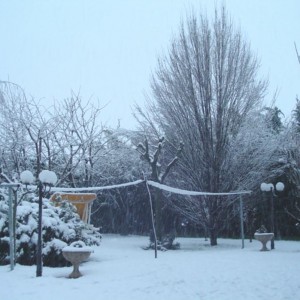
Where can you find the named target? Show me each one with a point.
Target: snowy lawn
(120, 269)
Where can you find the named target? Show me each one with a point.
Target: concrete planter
(264, 238)
(76, 255)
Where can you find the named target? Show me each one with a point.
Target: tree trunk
(213, 237)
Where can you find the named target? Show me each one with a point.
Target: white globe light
(26, 177)
(48, 177)
(264, 187)
(279, 186)
(43, 176)
(53, 178)
(267, 187)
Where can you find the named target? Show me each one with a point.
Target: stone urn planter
(264, 238)
(76, 253)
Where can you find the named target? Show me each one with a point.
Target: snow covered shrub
(4, 246)
(60, 227)
(78, 244)
(167, 242)
(262, 229)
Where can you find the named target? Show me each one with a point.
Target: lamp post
(46, 178)
(11, 221)
(269, 187)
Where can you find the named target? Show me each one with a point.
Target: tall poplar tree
(202, 90)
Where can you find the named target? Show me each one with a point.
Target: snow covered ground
(120, 269)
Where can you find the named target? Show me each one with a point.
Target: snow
(77, 246)
(120, 269)
(48, 177)
(26, 208)
(149, 182)
(26, 177)
(54, 244)
(72, 248)
(263, 233)
(24, 238)
(192, 193)
(99, 188)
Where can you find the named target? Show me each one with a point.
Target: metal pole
(11, 230)
(39, 260)
(11, 223)
(242, 222)
(272, 221)
(152, 219)
(39, 243)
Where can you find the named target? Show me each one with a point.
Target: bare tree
(79, 138)
(202, 91)
(71, 135)
(22, 123)
(158, 175)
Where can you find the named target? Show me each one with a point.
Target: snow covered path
(120, 269)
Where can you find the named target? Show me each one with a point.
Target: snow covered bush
(78, 244)
(167, 242)
(4, 240)
(60, 227)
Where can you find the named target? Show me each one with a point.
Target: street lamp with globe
(46, 178)
(269, 187)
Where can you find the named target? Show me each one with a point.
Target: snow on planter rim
(74, 249)
(263, 233)
(77, 246)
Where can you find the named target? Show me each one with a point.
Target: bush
(60, 227)
(167, 242)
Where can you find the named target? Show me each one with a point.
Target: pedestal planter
(76, 255)
(264, 238)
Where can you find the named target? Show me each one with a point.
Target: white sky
(107, 49)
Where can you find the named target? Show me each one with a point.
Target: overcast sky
(107, 49)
